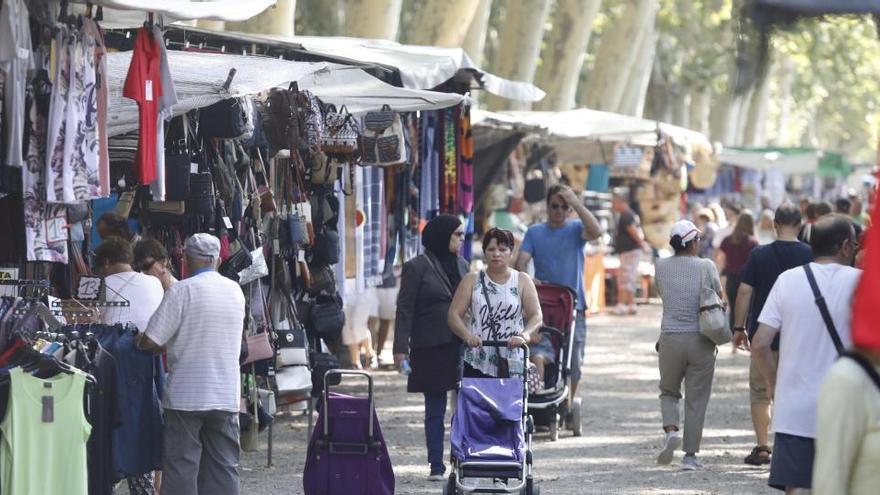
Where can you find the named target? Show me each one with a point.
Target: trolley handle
(503, 343)
(341, 373)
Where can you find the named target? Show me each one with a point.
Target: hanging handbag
(383, 142)
(257, 347)
(322, 280)
(280, 119)
(326, 248)
(126, 201)
(321, 364)
(340, 131)
(293, 380)
(238, 261)
(713, 317)
(327, 317)
(201, 194)
(322, 168)
(257, 269)
(291, 346)
(311, 119)
(225, 119)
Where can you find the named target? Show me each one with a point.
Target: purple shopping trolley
(491, 436)
(347, 454)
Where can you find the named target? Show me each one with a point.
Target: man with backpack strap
(809, 307)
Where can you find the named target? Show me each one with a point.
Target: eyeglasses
(557, 206)
(459, 233)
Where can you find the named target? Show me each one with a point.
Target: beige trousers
(687, 357)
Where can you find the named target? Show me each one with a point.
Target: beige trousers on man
(687, 357)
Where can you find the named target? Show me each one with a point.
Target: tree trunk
(701, 101)
(743, 117)
(277, 20)
(640, 76)
(318, 17)
(475, 41)
(786, 84)
(755, 133)
(657, 104)
(617, 54)
(564, 51)
(519, 46)
(681, 106)
(375, 19)
(442, 22)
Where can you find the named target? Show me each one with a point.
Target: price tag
(193, 167)
(89, 288)
(227, 222)
(48, 409)
(56, 229)
(148, 90)
(8, 274)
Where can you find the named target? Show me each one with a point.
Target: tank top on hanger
(44, 435)
(499, 318)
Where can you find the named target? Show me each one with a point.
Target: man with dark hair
(764, 265)
(842, 206)
(807, 349)
(557, 249)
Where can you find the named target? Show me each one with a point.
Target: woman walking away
(685, 354)
(426, 288)
(732, 257)
(503, 305)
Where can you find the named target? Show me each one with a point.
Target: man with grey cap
(199, 325)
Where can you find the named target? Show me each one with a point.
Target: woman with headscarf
(427, 284)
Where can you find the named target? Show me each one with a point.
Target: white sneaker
(690, 463)
(673, 440)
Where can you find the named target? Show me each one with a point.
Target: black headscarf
(436, 237)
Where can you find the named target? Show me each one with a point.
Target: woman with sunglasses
(426, 288)
(151, 258)
(685, 354)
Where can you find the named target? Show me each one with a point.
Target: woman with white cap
(685, 354)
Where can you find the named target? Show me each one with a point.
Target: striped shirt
(679, 279)
(200, 322)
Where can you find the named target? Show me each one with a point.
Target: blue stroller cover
(487, 425)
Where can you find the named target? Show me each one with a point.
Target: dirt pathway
(621, 429)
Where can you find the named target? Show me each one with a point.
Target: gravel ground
(621, 428)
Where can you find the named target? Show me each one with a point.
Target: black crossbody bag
(823, 308)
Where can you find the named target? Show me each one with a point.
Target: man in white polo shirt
(199, 324)
(806, 347)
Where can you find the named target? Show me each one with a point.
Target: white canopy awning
(199, 78)
(569, 131)
(421, 67)
(218, 10)
(806, 162)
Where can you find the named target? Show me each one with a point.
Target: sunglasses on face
(557, 206)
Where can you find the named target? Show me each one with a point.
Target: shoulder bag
(713, 317)
(823, 309)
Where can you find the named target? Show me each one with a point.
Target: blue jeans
(435, 411)
(577, 352)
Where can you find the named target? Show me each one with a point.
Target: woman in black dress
(426, 288)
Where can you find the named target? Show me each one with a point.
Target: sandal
(760, 456)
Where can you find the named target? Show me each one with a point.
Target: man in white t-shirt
(806, 348)
(200, 323)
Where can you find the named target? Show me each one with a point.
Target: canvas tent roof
(199, 78)
(127, 11)
(791, 161)
(570, 132)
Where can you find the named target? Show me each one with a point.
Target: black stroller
(492, 436)
(550, 405)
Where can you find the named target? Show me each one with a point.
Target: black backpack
(281, 122)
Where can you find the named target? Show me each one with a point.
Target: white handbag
(293, 380)
(713, 316)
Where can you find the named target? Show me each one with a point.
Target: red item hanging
(865, 330)
(143, 84)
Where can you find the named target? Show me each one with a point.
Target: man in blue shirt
(760, 272)
(557, 249)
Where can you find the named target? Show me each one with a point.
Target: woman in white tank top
(499, 303)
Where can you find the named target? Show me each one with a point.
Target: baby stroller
(491, 436)
(550, 405)
(347, 454)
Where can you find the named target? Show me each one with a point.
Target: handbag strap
(867, 366)
(706, 283)
(823, 308)
(443, 278)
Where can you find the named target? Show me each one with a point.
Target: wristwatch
(739, 329)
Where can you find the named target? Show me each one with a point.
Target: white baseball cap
(686, 230)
